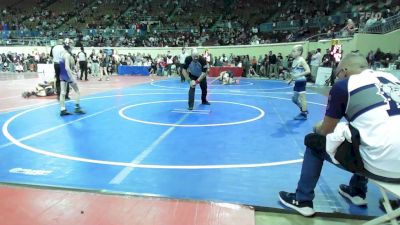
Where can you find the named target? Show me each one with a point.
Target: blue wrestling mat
(243, 148)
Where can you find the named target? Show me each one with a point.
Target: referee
(57, 53)
(83, 63)
(194, 70)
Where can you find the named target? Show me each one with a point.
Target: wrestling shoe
(301, 116)
(65, 113)
(78, 110)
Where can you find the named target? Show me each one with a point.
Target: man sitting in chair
(370, 102)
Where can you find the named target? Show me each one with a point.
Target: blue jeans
(311, 171)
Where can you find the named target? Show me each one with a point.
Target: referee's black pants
(84, 69)
(192, 90)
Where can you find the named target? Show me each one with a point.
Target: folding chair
(391, 214)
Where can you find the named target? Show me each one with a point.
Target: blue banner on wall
(133, 70)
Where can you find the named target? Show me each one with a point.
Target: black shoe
(305, 208)
(355, 198)
(206, 103)
(65, 113)
(86, 80)
(78, 110)
(190, 108)
(67, 98)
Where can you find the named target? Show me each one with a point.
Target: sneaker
(305, 208)
(206, 103)
(356, 199)
(301, 116)
(65, 113)
(79, 111)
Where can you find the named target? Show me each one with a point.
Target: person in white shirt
(370, 22)
(56, 53)
(94, 59)
(223, 59)
(370, 102)
(170, 62)
(349, 29)
(129, 61)
(316, 60)
(207, 55)
(82, 59)
(182, 58)
(116, 58)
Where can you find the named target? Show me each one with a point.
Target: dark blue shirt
(195, 68)
(337, 100)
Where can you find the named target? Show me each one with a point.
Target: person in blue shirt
(195, 71)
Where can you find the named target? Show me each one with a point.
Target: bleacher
(173, 22)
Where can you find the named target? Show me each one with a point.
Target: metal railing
(390, 24)
(296, 24)
(26, 41)
(329, 36)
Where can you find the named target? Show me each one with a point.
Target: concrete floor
(271, 218)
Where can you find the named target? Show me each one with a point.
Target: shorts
(300, 86)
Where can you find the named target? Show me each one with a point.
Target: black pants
(58, 87)
(169, 69)
(84, 69)
(203, 86)
(317, 144)
(179, 69)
